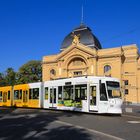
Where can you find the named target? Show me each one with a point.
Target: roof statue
(76, 38)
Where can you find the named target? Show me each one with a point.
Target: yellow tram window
(17, 94)
(9, 95)
(34, 93)
(0, 96)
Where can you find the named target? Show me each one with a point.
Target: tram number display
(67, 83)
(114, 84)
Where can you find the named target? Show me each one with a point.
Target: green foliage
(30, 72)
(10, 77)
(2, 80)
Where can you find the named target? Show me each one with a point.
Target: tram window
(68, 92)
(80, 92)
(17, 94)
(34, 93)
(20, 94)
(0, 96)
(9, 95)
(103, 95)
(60, 92)
(46, 93)
(93, 95)
(30, 94)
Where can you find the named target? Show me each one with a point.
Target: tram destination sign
(67, 83)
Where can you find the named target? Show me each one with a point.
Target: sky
(31, 29)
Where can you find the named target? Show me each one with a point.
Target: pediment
(77, 48)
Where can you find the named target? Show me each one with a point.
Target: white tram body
(85, 94)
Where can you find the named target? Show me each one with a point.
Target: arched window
(53, 72)
(107, 70)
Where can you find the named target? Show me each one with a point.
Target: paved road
(38, 124)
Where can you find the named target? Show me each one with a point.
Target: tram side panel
(35, 93)
(5, 95)
(27, 95)
(59, 95)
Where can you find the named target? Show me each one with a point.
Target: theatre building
(82, 54)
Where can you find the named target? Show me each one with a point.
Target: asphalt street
(38, 124)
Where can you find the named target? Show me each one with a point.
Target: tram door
(93, 97)
(25, 98)
(53, 98)
(4, 97)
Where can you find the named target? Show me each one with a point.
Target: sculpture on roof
(76, 38)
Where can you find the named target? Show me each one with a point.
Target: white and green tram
(85, 94)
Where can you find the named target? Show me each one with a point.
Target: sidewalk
(131, 109)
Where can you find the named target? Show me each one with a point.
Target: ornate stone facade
(79, 59)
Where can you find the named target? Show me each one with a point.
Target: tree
(2, 80)
(30, 72)
(10, 77)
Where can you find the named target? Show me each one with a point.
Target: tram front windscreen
(113, 89)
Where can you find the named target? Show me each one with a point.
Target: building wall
(130, 73)
(138, 79)
(82, 60)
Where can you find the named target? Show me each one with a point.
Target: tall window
(126, 82)
(107, 70)
(68, 92)
(126, 91)
(0, 96)
(103, 94)
(46, 93)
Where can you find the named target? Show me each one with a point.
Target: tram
(5, 96)
(85, 94)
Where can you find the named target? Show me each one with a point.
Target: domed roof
(86, 38)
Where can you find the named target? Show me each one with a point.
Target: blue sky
(30, 29)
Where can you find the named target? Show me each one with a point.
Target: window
(107, 68)
(113, 89)
(80, 92)
(9, 95)
(17, 94)
(60, 93)
(34, 93)
(77, 73)
(46, 93)
(53, 95)
(125, 82)
(68, 92)
(0, 96)
(126, 91)
(53, 72)
(92, 95)
(103, 95)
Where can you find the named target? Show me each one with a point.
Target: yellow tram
(5, 96)
(27, 95)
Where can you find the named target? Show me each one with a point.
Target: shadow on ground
(21, 124)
